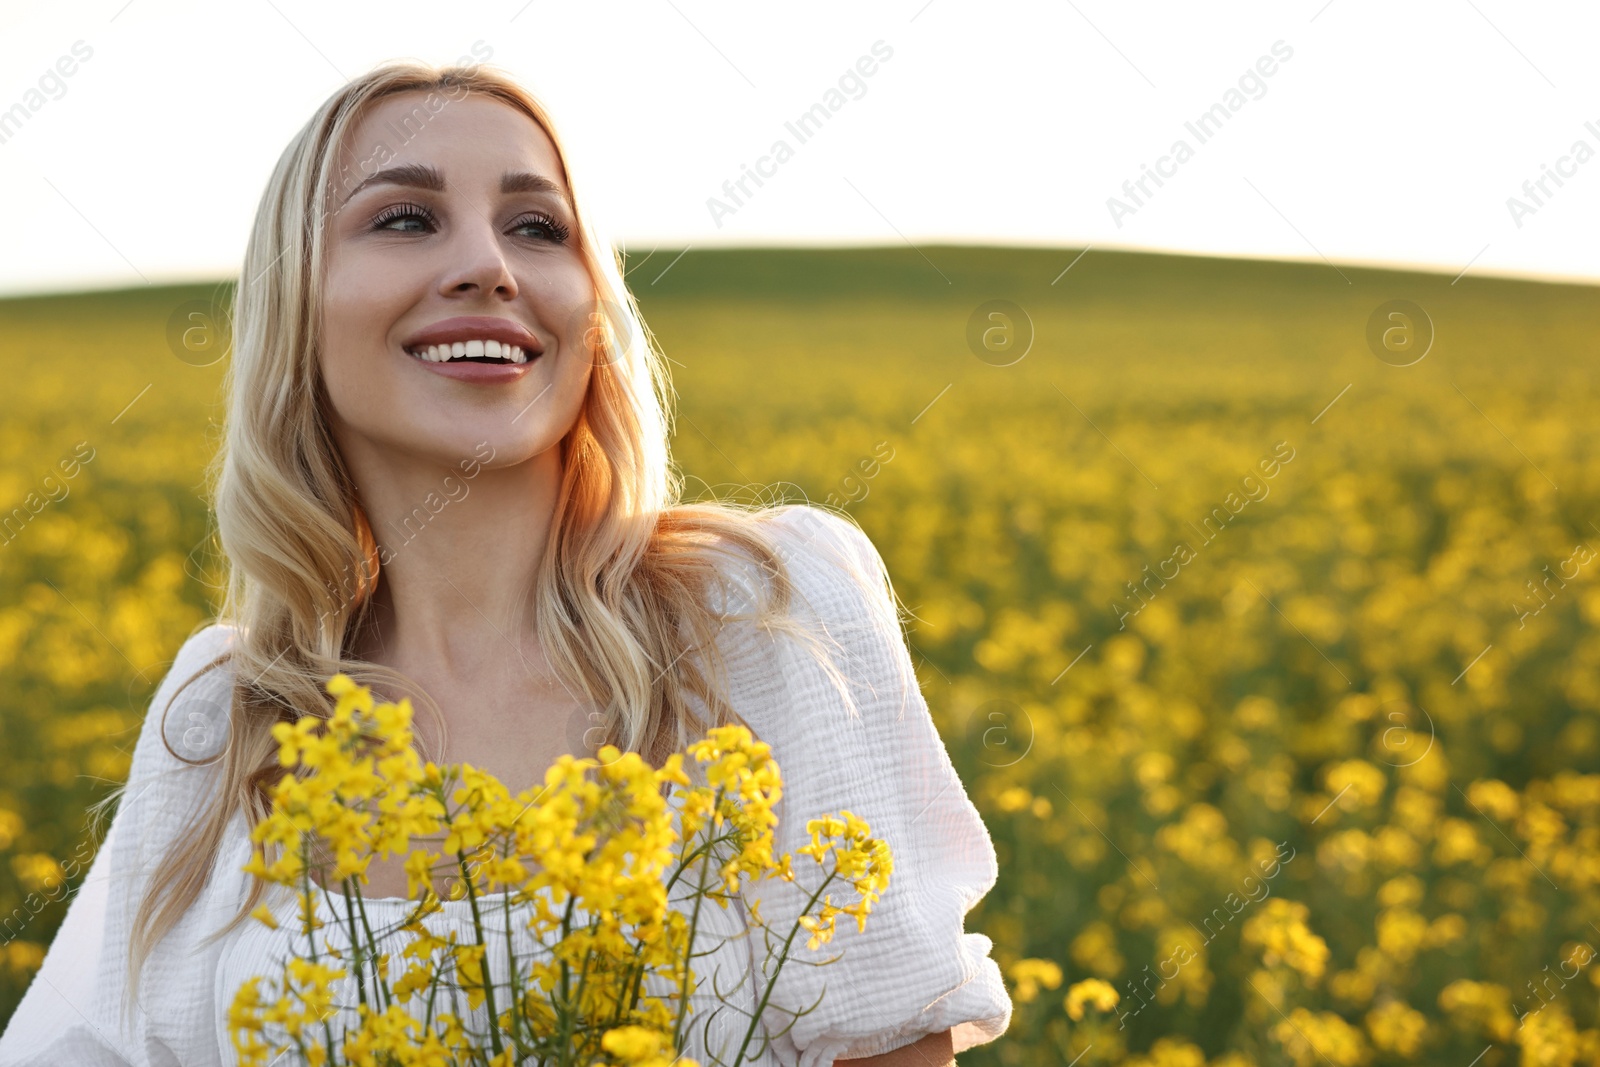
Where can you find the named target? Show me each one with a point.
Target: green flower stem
(566, 983)
(434, 981)
(772, 983)
(519, 1021)
(305, 882)
(356, 952)
(437, 977)
(483, 964)
(583, 978)
(311, 935)
(380, 979)
(694, 926)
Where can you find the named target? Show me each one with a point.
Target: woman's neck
(459, 550)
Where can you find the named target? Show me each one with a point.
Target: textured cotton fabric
(864, 744)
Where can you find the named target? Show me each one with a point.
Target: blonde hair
(619, 598)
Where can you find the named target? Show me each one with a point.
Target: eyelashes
(557, 231)
(402, 211)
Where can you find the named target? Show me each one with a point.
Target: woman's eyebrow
(426, 176)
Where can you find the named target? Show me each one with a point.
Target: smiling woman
(457, 303)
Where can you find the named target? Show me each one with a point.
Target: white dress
(913, 971)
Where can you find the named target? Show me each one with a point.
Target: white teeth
(487, 349)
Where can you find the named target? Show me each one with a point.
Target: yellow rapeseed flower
(1093, 992)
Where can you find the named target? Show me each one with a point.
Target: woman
(446, 474)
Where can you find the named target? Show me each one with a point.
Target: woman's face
(450, 227)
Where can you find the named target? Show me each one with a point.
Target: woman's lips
(477, 373)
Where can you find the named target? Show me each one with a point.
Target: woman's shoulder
(205, 644)
(831, 562)
(840, 639)
(813, 530)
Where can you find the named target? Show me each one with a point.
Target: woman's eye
(413, 218)
(396, 214)
(549, 228)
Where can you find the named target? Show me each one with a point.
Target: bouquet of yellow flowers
(591, 961)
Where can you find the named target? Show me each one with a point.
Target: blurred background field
(1375, 674)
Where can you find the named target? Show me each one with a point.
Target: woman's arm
(869, 747)
(931, 1051)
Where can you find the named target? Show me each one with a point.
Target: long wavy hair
(622, 594)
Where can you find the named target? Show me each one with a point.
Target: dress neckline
(331, 898)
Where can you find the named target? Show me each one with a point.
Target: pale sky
(1385, 132)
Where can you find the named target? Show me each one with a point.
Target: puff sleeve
(76, 1010)
(914, 970)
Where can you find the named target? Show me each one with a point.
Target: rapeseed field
(1260, 613)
